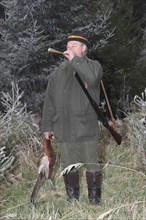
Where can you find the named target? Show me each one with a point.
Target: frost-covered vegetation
(124, 171)
(137, 129)
(19, 132)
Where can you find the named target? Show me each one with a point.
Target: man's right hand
(48, 135)
(69, 54)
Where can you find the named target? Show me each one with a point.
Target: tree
(30, 27)
(23, 46)
(120, 57)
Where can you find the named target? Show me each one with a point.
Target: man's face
(77, 47)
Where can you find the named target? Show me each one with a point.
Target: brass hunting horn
(51, 50)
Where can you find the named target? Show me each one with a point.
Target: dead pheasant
(45, 167)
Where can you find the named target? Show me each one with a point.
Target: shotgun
(98, 111)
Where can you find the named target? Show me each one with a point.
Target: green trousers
(83, 152)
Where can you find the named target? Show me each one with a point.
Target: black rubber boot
(94, 182)
(71, 181)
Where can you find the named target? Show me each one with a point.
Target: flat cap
(78, 36)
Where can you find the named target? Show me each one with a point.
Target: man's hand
(48, 135)
(69, 54)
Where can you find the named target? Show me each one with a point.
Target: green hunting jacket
(67, 111)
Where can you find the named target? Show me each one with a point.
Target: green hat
(79, 36)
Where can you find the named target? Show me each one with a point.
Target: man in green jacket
(69, 116)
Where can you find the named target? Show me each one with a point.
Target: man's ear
(84, 48)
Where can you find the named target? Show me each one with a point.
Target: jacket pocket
(86, 124)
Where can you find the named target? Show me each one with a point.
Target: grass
(124, 184)
(123, 197)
